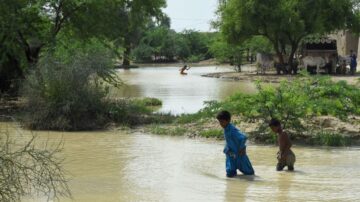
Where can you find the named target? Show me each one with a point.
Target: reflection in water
(179, 93)
(115, 166)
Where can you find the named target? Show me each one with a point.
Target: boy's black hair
(274, 122)
(224, 115)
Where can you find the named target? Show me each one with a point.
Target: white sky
(191, 14)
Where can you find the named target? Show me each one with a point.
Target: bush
(294, 103)
(136, 112)
(27, 169)
(213, 133)
(149, 102)
(177, 131)
(330, 139)
(208, 112)
(68, 95)
(195, 58)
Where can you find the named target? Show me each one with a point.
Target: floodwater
(107, 166)
(179, 93)
(115, 166)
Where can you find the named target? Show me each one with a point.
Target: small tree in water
(27, 169)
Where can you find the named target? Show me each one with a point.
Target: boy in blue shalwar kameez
(235, 148)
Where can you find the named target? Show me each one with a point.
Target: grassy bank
(314, 110)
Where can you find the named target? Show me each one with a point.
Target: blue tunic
(353, 62)
(235, 141)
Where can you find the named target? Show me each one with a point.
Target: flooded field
(115, 165)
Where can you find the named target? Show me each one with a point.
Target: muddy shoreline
(272, 77)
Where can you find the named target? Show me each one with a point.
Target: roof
(319, 43)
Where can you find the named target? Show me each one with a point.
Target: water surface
(116, 166)
(180, 93)
(107, 166)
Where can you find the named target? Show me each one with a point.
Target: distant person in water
(285, 156)
(183, 69)
(235, 147)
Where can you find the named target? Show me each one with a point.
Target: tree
(28, 27)
(138, 14)
(284, 22)
(161, 44)
(224, 51)
(198, 43)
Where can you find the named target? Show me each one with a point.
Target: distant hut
(321, 46)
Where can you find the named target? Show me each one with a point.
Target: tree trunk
(279, 66)
(292, 65)
(248, 55)
(10, 74)
(126, 60)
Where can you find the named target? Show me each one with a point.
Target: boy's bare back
(284, 142)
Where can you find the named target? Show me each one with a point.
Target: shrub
(292, 102)
(195, 58)
(136, 112)
(149, 102)
(212, 133)
(68, 95)
(27, 169)
(177, 131)
(208, 112)
(330, 139)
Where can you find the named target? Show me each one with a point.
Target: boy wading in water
(285, 156)
(235, 148)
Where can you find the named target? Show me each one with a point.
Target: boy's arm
(241, 139)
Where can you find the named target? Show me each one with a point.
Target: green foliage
(149, 102)
(283, 22)
(195, 58)
(161, 44)
(330, 139)
(177, 131)
(68, 95)
(198, 43)
(235, 54)
(294, 103)
(132, 112)
(127, 112)
(209, 111)
(213, 133)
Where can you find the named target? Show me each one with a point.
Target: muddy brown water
(114, 165)
(179, 93)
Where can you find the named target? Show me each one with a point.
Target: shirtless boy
(285, 157)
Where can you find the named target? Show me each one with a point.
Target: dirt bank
(271, 77)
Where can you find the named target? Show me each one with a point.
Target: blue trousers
(241, 163)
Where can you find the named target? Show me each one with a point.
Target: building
(346, 41)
